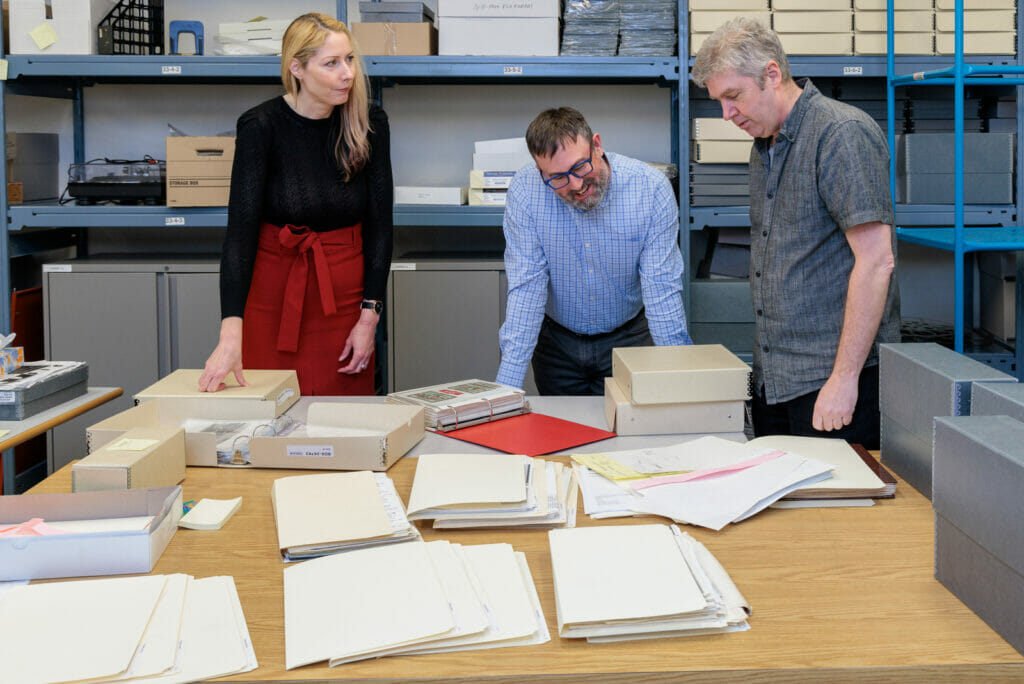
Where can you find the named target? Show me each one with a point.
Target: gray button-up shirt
(828, 172)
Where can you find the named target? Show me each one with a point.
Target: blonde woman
(308, 244)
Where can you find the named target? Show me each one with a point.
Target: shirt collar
(796, 115)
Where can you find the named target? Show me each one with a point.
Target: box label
(56, 268)
(403, 267)
(6, 397)
(284, 396)
(310, 451)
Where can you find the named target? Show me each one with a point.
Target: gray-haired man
(822, 245)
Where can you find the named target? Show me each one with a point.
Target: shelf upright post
(681, 145)
(958, 178)
(5, 251)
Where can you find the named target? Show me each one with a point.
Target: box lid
(278, 386)
(686, 373)
(498, 8)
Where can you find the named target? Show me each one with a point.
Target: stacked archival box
(914, 30)
(919, 382)
(495, 162)
(814, 27)
(989, 27)
(707, 15)
(684, 389)
(924, 168)
(721, 174)
(979, 543)
(524, 28)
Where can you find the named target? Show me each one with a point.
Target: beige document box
(984, 20)
(707, 22)
(269, 393)
(705, 128)
(906, 43)
(904, 5)
(199, 170)
(910, 22)
(688, 373)
(141, 457)
(817, 43)
(811, 5)
(813, 22)
(396, 429)
(722, 151)
(986, 43)
(626, 418)
(735, 6)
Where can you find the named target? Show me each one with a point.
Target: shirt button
(765, 349)
(586, 244)
(757, 274)
(590, 270)
(591, 299)
(771, 195)
(764, 233)
(760, 312)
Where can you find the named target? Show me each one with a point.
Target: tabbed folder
(449, 406)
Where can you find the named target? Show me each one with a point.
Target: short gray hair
(742, 45)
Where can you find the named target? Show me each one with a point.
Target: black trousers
(568, 363)
(794, 417)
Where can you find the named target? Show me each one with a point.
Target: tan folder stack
(409, 598)
(614, 583)
(156, 628)
(492, 490)
(331, 512)
(696, 388)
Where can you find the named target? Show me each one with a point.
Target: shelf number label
(853, 71)
(512, 70)
(171, 70)
(174, 221)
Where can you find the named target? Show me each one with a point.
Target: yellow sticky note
(3, 69)
(43, 35)
(127, 444)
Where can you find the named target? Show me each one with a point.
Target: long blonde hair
(306, 35)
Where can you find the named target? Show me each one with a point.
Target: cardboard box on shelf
(89, 553)
(395, 38)
(199, 170)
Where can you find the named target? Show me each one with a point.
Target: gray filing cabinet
(443, 319)
(133, 321)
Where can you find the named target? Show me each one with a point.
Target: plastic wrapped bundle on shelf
(647, 28)
(591, 28)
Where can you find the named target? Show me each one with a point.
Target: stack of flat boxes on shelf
(919, 382)
(924, 168)
(990, 27)
(814, 27)
(914, 27)
(997, 281)
(720, 175)
(707, 15)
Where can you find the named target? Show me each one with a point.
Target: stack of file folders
(689, 389)
(711, 481)
(331, 512)
(647, 28)
(591, 27)
(616, 583)
(432, 597)
(492, 490)
(166, 628)
(452, 405)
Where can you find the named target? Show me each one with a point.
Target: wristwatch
(374, 304)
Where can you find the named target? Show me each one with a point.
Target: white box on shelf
(74, 23)
(498, 36)
(501, 161)
(423, 194)
(499, 8)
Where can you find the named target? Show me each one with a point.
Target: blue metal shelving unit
(960, 239)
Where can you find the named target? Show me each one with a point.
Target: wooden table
(838, 595)
(33, 426)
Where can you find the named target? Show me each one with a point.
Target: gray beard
(597, 193)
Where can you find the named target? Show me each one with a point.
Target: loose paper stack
(462, 403)
(410, 598)
(155, 628)
(697, 388)
(615, 583)
(332, 512)
(492, 490)
(708, 482)
(647, 28)
(591, 27)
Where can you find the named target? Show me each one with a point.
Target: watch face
(376, 306)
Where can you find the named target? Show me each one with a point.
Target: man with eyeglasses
(591, 256)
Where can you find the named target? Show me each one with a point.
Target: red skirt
(303, 301)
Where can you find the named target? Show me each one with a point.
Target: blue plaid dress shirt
(591, 271)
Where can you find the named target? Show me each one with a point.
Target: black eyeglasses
(560, 180)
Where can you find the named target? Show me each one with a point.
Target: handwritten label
(174, 221)
(171, 70)
(310, 451)
(403, 267)
(6, 397)
(509, 70)
(56, 268)
(285, 395)
(853, 71)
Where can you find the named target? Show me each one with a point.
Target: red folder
(532, 434)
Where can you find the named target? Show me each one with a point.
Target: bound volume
(454, 405)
